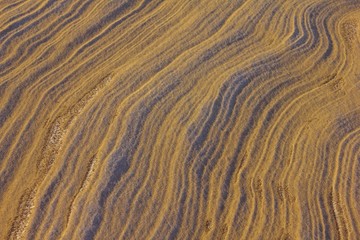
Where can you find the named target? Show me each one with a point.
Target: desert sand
(194, 119)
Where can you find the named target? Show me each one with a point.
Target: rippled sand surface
(194, 119)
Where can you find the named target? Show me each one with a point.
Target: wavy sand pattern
(196, 119)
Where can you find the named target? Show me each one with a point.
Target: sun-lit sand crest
(201, 119)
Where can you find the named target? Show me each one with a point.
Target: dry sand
(195, 119)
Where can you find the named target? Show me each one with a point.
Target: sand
(195, 119)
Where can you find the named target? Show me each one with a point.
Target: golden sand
(195, 119)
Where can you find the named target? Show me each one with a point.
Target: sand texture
(179, 119)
